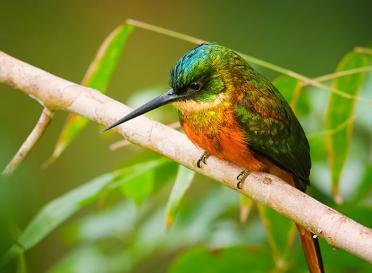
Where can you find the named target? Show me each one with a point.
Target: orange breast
(227, 142)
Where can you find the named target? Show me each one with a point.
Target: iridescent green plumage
(272, 128)
(265, 118)
(234, 113)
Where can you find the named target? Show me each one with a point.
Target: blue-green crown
(200, 62)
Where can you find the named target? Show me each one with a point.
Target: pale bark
(59, 94)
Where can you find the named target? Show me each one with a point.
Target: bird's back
(271, 128)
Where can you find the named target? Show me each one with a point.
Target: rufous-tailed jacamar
(232, 112)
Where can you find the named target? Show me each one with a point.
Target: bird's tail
(311, 249)
(309, 241)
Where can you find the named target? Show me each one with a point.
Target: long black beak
(165, 98)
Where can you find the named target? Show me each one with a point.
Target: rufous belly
(227, 143)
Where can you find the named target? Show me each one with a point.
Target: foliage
(127, 228)
(341, 109)
(181, 185)
(98, 77)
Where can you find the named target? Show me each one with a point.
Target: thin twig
(165, 31)
(365, 50)
(268, 229)
(119, 144)
(39, 129)
(250, 59)
(305, 79)
(340, 74)
(337, 229)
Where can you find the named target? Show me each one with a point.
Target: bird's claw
(202, 159)
(241, 178)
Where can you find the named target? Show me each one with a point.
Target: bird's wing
(272, 128)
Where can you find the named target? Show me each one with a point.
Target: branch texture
(59, 94)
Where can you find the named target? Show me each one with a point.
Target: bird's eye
(195, 86)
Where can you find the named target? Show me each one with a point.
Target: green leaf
(318, 149)
(204, 220)
(55, 212)
(339, 110)
(364, 190)
(280, 232)
(98, 77)
(114, 220)
(101, 69)
(292, 89)
(226, 260)
(140, 187)
(83, 259)
(21, 266)
(139, 180)
(58, 210)
(286, 85)
(183, 182)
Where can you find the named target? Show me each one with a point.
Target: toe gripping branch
(241, 178)
(202, 160)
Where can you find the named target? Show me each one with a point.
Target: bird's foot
(202, 160)
(241, 178)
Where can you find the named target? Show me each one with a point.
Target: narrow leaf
(292, 89)
(98, 77)
(141, 187)
(341, 109)
(280, 233)
(137, 181)
(101, 69)
(236, 259)
(183, 182)
(58, 210)
(54, 213)
(21, 266)
(364, 190)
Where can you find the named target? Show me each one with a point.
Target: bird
(234, 113)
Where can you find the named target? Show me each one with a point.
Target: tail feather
(309, 241)
(311, 249)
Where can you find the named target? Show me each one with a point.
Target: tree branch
(124, 142)
(59, 94)
(39, 129)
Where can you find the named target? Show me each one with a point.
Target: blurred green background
(309, 37)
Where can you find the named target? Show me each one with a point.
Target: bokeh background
(309, 37)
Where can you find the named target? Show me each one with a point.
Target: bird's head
(198, 80)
